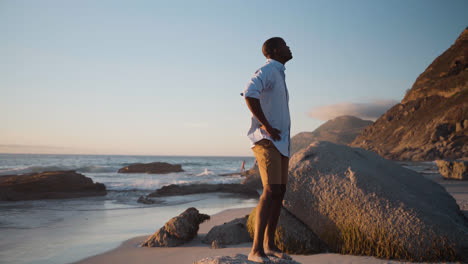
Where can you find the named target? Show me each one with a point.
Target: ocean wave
(33, 169)
(206, 172)
(38, 169)
(6, 171)
(151, 184)
(195, 163)
(142, 184)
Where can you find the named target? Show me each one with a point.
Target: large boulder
(177, 231)
(240, 259)
(151, 168)
(431, 122)
(174, 189)
(230, 233)
(48, 185)
(291, 236)
(456, 170)
(360, 203)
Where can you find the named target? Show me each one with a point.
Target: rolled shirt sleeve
(256, 85)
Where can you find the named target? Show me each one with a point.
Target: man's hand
(256, 109)
(273, 132)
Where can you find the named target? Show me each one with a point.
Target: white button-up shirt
(269, 86)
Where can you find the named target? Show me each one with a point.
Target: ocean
(67, 230)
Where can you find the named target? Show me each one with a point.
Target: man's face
(284, 52)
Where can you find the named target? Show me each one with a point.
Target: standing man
(268, 99)
(242, 166)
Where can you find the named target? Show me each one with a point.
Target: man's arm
(256, 109)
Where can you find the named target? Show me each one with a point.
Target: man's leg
(261, 219)
(269, 243)
(269, 163)
(272, 222)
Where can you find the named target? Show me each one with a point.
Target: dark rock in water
(231, 174)
(145, 200)
(292, 236)
(456, 170)
(152, 168)
(230, 233)
(48, 185)
(431, 122)
(174, 189)
(252, 178)
(240, 259)
(177, 231)
(360, 203)
(340, 130)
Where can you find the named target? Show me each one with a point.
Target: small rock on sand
(216, 244)
(178, 230)
(230, 233)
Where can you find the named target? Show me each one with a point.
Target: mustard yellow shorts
(272, 165)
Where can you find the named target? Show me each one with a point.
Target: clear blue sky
(164, 77)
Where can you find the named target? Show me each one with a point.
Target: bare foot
(258, 257)
(276, 252)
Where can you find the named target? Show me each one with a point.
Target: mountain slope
(431, 122)
(340, 130)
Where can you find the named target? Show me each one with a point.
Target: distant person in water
(242, 166)
(255, 164)
(268, 99)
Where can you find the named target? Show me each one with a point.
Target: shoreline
(129, 252)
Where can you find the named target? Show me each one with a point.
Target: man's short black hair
(270, 45)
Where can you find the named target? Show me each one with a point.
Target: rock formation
(48, 185)
(360, 203)
(292, 236)
(177, 231)
(453, 170)
(230, 233)
(151, 168)
(340, 130)
(145, 200)
(240, 259)
(431, 122)
(174, 189)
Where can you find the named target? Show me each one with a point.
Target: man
(268, 99)
(242, 166)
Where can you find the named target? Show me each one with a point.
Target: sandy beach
(129, 252)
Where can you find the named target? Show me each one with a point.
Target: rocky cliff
(431, 122)
(340, 130)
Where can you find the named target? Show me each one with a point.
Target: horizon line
(151, 155)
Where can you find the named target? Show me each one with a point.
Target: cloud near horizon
(367, 111)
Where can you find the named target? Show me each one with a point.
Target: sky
(165, 77)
